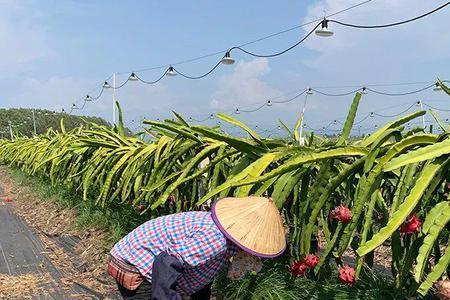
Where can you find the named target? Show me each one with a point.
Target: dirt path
(37, 265)
(23, 253)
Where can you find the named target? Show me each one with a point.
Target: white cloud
(379, 53)
(244, 86)
(417, 51)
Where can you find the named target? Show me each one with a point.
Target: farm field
(233, 150)
(341, 200)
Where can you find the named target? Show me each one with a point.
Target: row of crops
(390, 188)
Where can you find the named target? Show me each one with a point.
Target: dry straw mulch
(23, 286)
(85, 266)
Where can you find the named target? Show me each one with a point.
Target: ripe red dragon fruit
(347, 275)
(311, 260)
(342, 214)
(299, 268)
(411, 225)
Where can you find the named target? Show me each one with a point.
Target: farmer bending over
(179, 255)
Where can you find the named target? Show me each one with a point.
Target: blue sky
(54, 52)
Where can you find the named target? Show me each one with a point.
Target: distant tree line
(22, 121)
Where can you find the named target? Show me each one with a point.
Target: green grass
(276, 282)
(117, 220)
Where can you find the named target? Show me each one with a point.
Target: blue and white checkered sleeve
(200, 248)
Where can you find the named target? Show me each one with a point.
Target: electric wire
(121, 85)
(377, 84)
(253, 110)
(302, 40)
(91, 90)
(221, 52)
(394, 115)
(391, 24)
(328, 126)
(96, 97)
(247, 52)
(201, 120)
(374, 113)
(394, 106)
(149, 82)
(362, 120)
(289, 48)
(247, 43)
(277, 53)
(290, 99)
(401, 94)
(262, 105)
(336, 95)
(200, 76)
(435, 108)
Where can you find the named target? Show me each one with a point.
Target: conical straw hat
(252, 223)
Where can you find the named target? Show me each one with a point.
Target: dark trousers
(144, 292)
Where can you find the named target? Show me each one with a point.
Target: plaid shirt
(192, 237)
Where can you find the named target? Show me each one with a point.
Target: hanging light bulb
(437, 87)
(132, 77)
(372, 114)
(88, 98)
(54, 113)
(237, 112)
(73, 105)
(335, 122)
(304, 125)
(211, 116)
(364, 90)
(227, 59)
(309, 91)
(171, 72)
(279, 127)
(269, 103)
(63, 111)
(324, 31)
(376, 126)
(157, 119)
(418, 103)
(190, 119)
(106, 85)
